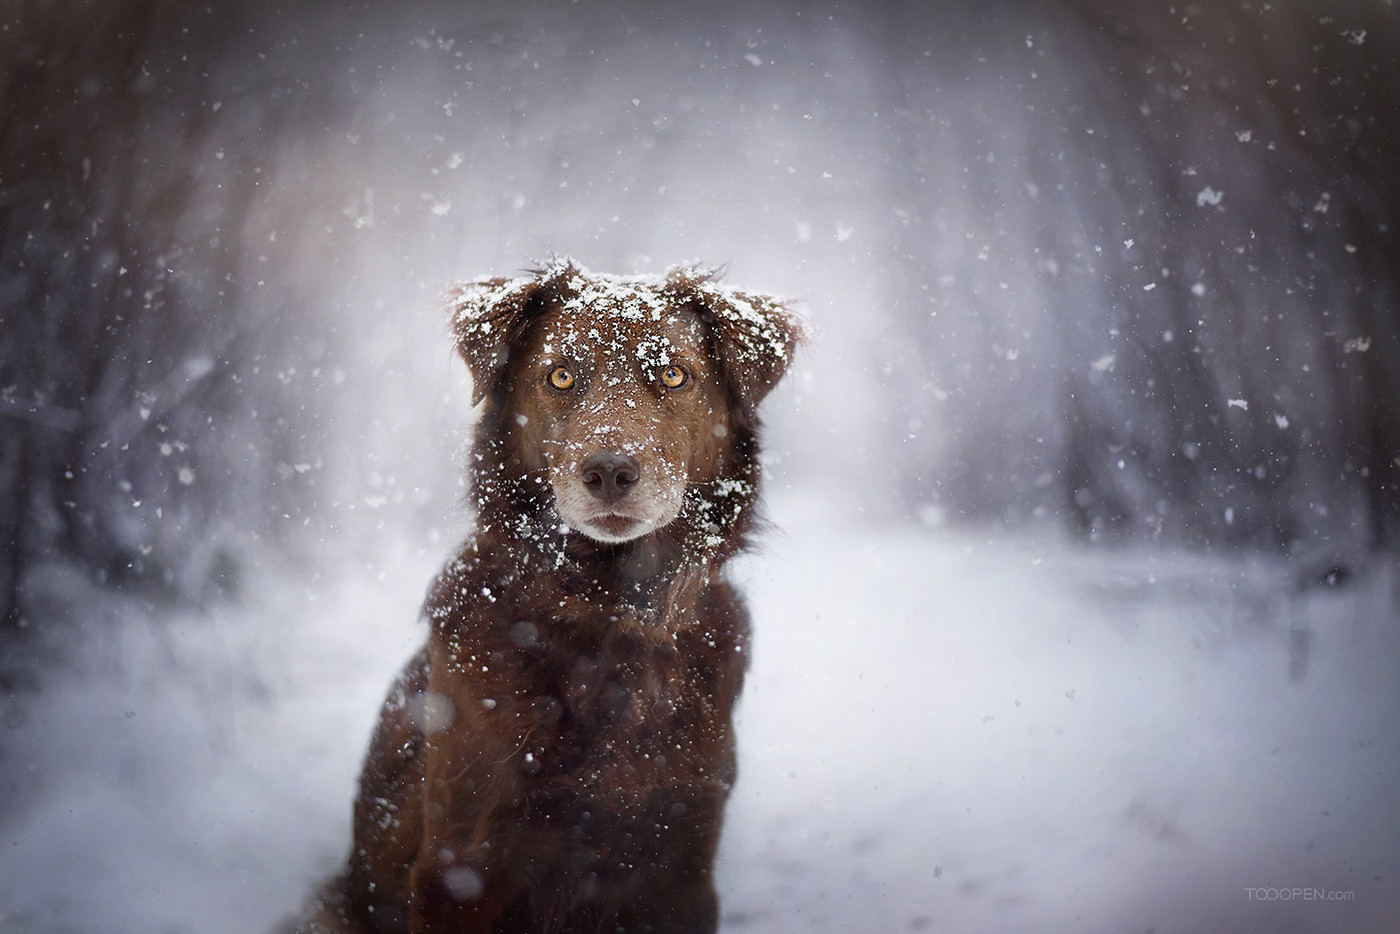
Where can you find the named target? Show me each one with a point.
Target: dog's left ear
(755, 335)
(488, 317)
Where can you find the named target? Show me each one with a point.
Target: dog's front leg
(459, 884)
(462, 880)
(455, 898)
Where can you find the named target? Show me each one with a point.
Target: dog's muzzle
(611, 497)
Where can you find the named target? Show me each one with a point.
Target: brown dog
(558, 756)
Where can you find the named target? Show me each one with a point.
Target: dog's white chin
(614, 530)
(635, 516)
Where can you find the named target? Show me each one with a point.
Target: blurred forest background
(1126, 268)
(1125, 273)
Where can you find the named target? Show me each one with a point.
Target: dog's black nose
(610, 476)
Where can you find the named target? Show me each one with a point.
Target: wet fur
(558, 756)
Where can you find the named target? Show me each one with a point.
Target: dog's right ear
(488, 318)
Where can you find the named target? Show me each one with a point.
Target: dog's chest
(623, 716)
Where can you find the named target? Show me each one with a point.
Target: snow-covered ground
(944, 730)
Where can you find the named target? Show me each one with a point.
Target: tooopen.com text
(1297, 894)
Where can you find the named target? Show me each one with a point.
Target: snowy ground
(943, 731)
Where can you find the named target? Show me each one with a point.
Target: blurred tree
(1148, 260)
(130, 316)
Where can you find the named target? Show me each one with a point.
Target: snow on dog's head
(624, 391)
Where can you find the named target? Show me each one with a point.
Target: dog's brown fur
(558, 756)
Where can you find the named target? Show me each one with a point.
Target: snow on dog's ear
(754, 334)
(490, 315)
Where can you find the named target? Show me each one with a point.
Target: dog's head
(624, 391)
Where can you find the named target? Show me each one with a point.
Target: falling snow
(996, 685)
(1208, 196)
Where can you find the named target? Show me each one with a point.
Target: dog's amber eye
(561, 378)
(673, 377)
